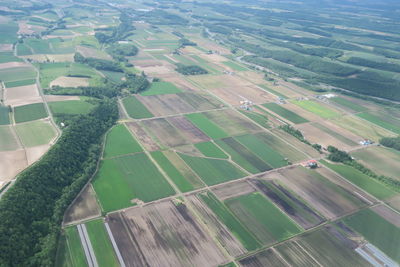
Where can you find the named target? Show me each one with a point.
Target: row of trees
(32, 210)
(392, 142)
(99, 64)
(337, 155)
(190, 70)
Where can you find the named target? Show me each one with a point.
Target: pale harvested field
(317, 136)
(6, 47)
(36, 152)
(234, 94)
(24, 28)
(180, 82)
(219, 230)
(282, 89)
(294, 87)
(156, 70)
(302, 112)
(11, 163)
(342, 131)
(163, 234)
(84, 206)
(362, 128)
(13, 65)
(60, 57)
(388, 214)
(164, 132)
(191, 50)
(231, 190)
(214, 58)
(162, 105)
(64, 81)
(188, 150)
(218, 81)
(22, 95)
(188, 129)
(38, 57)
(143, 136)
(381, 160)
(395, 203)
(56, 98)
(209, 45)
(252, 76)
(94, 53)
(327, 200)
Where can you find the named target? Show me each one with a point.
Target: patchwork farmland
(214, 156)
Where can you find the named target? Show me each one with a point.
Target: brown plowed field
(142, 136)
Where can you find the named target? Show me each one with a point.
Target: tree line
(31, 211)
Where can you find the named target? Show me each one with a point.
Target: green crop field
(207, 126)
(285, 113)
(63, 257)
(8, 32)
(4, 115)
(262, 217)
(20, 83)
(35, 133)
(120, 142)
(377, 231)
(7, 139)
(261, 149)
(257, 117)
(132, 177)
(161, 88)
(212, 171)
(101, 243)
(135, 108)
(179, 180)
(23, 50)
(348, 104)
(209, 149)
(8, 57)
(70, 107)
(243, 156)
(234, 66)
(268, 89)
(38, 46)
(17, 74)
(316, 108)
(249, 241)
(75, 248)
(29, 112)
(370, 185)
(380, 122)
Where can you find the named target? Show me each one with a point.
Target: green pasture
(348, 104)
(8, 141)
(256, 117)
(212, 171)
(161, 88)
(209, 149)
(179, 180)
(381, 121)
(20, 83)
(4, 115)
(378, 231)
(316, 108)
(234, 66)
(248, 240)
(74, 246)
(207, 126)
(35, 133)
(70, 107)
(8, 57)
(135, 108)
(133, 177)
(17, 74)
(8, 32)
(30, 112)
(243, 156)
(285, 113)
(119, 142)
(262, 150)
(23, 50)
(101, 243)
(262, 218)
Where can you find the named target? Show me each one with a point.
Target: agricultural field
(135, 108)
(119, 141)
(381, 160)
(317, 108)
(378, 231)
(35, 133)
(136, 179)
(285, 113)
(73, 107)
(197, 170)
(262, 218)
(30, 112)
